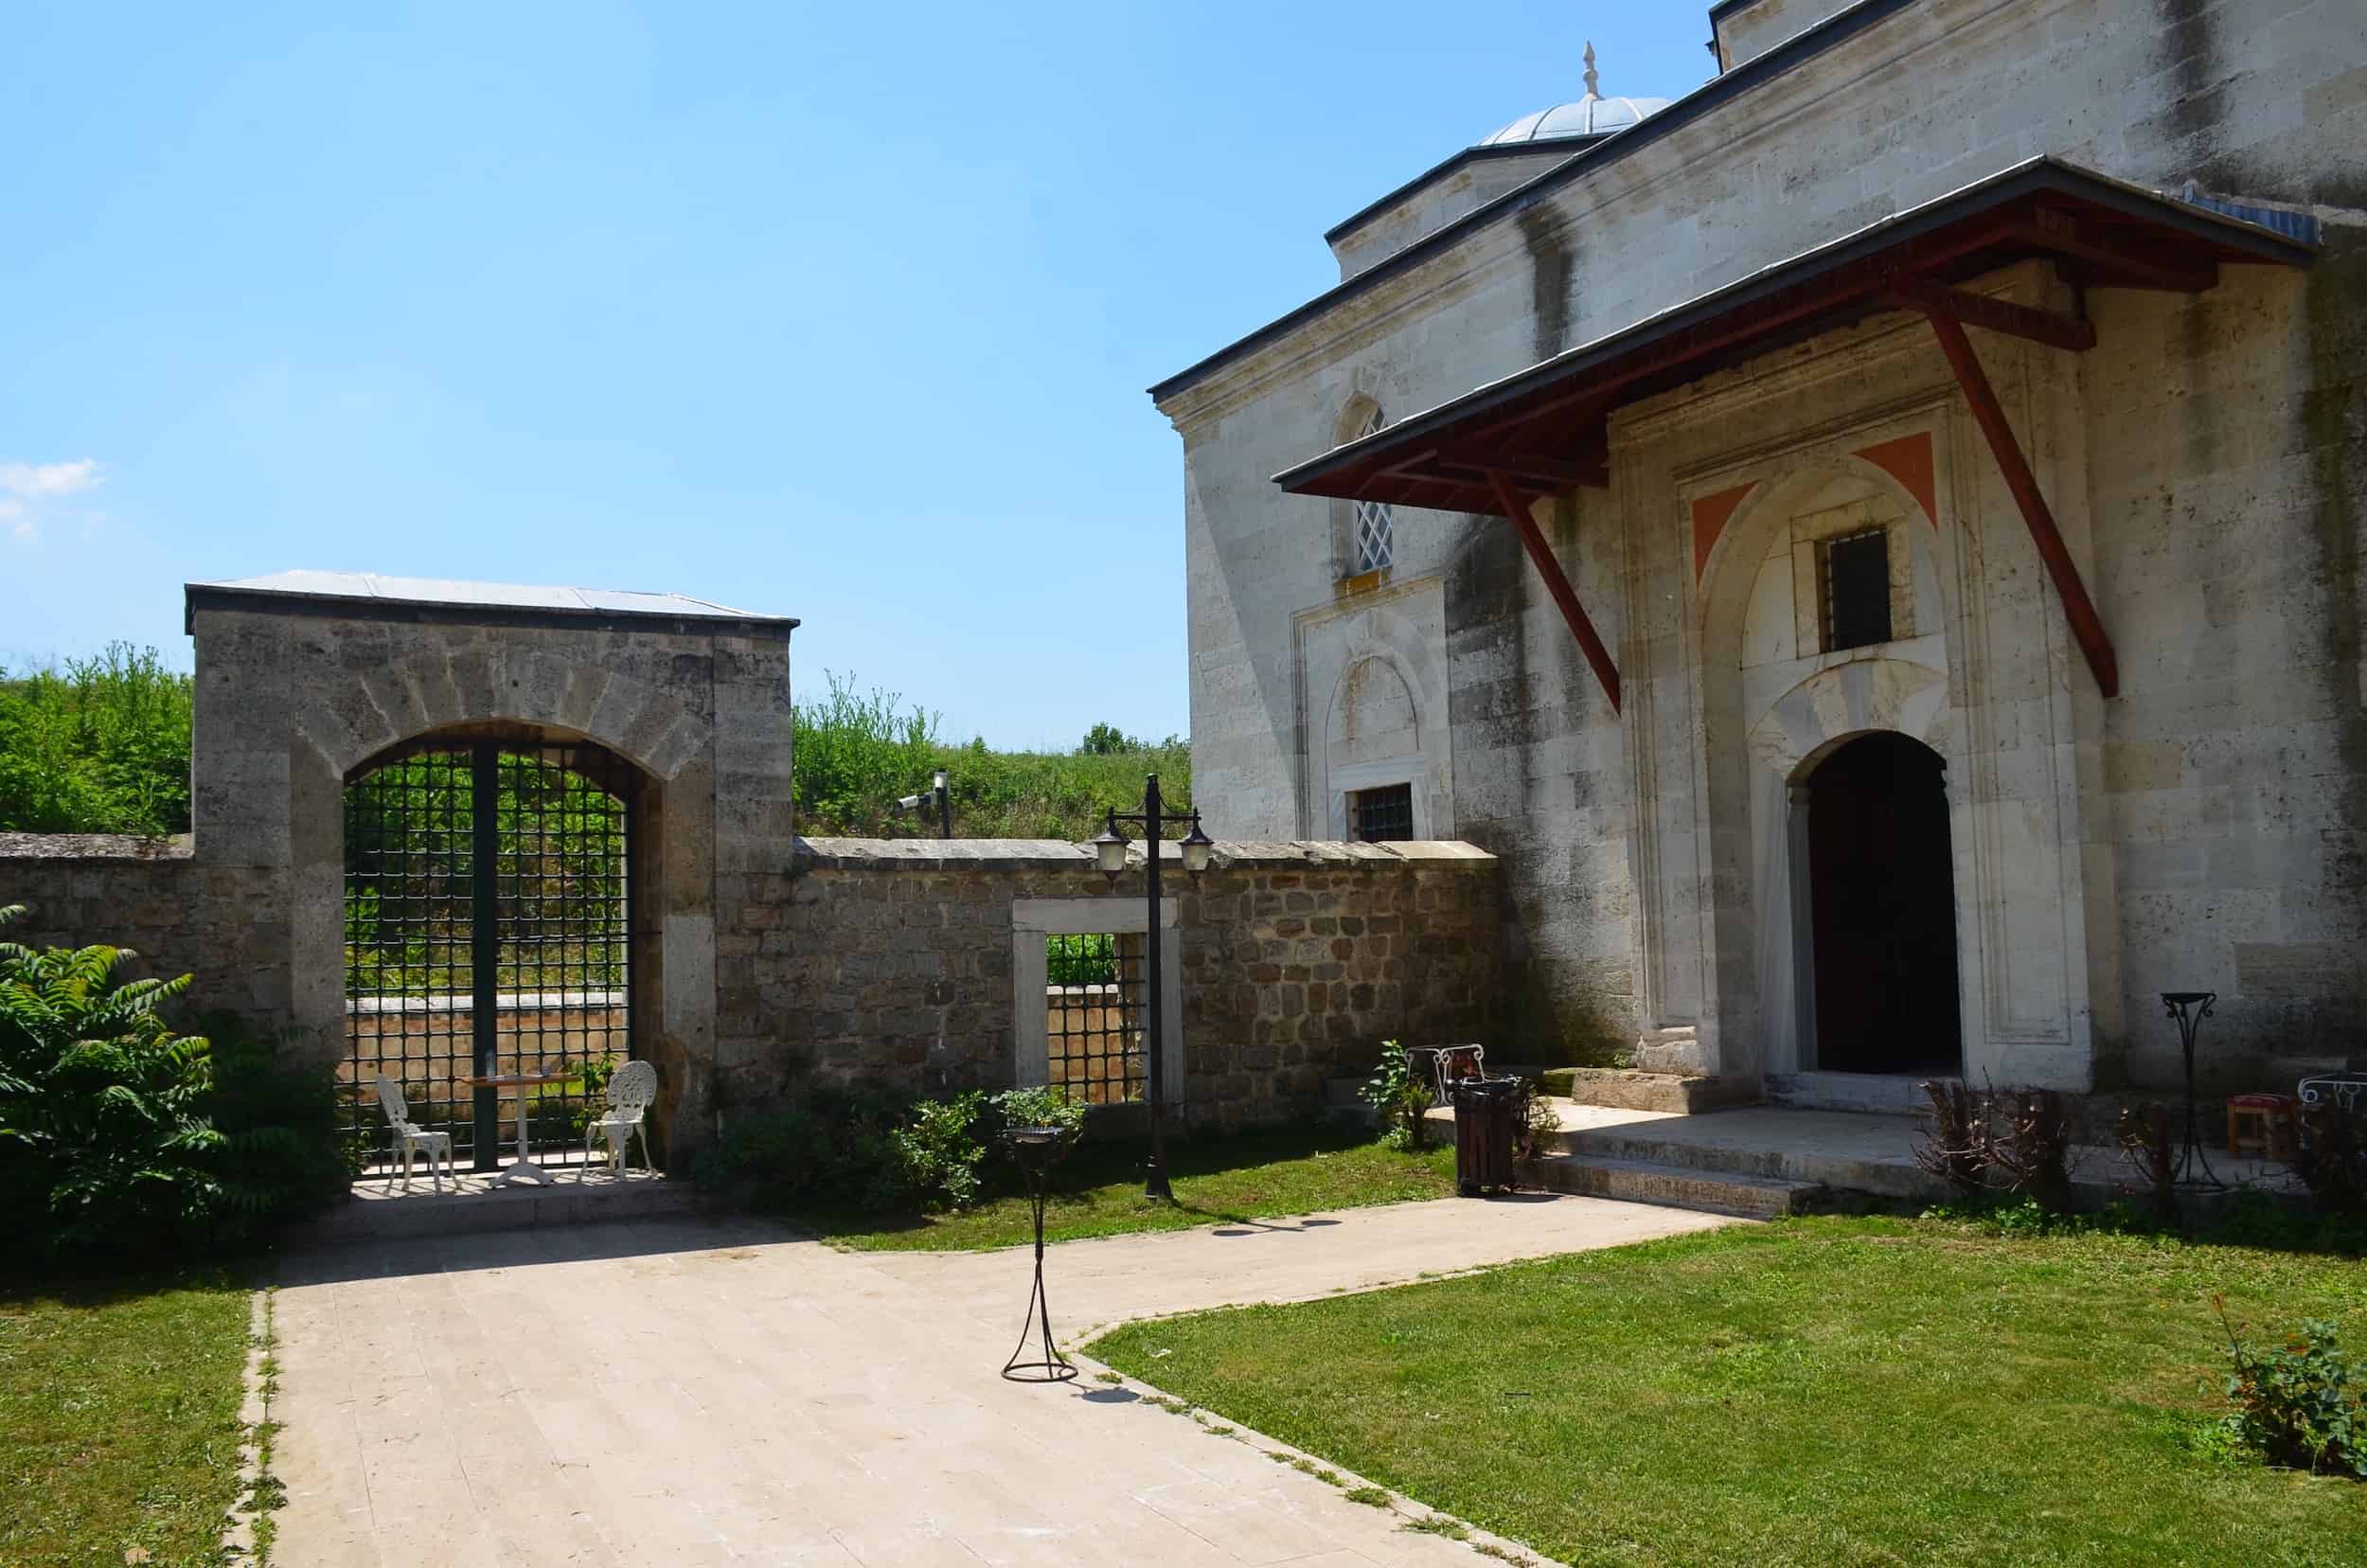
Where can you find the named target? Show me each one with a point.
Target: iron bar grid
(1094, 1024)
(1384, 815)
(486, 873)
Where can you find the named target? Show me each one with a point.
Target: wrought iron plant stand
(1034, 1148)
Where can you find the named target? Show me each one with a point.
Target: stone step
(1873, 1158)
(385, 1212)
(1621, 1089)
(1669, 1186)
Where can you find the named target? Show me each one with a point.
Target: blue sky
(843, 312)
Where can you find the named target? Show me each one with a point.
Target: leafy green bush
(100, 745)
(1400, 1091)
(101, 1124)
(2302, 1404)
(119, 1135)
(942, 1149)
(866, 1148)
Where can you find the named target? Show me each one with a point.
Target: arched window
(1376, 544)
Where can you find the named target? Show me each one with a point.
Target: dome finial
(1593, 77)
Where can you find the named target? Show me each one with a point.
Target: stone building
(1873, 544)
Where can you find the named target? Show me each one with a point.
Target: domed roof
(1592, 116)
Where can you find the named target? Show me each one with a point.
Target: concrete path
(685, 1392)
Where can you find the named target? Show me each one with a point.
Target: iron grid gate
(486, 932)
(1094, 1020)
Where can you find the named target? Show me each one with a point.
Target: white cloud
(36, 481)
(25, 487)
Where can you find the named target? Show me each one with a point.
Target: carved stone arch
(1386, 653)
(1835, 706)
(1775, 491)
(536, 691)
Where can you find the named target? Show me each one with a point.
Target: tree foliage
(857, 754)
(98, 745)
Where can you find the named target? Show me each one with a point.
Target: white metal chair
(412, 1137)
(629, 1093)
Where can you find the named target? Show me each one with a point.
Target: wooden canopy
(1543, 431)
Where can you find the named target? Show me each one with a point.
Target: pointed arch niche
(1779, 696)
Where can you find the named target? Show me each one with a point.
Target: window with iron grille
(1858, 590)
(1376, 533)
(1382, 816)
(1094, 1020)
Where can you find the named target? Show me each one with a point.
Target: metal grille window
(1094, 1020)
(1376, 532)
(486, 934)
(1384, 815)
(1858, 590)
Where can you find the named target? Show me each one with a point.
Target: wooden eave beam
(2120, 266)
(2086, 627)
(1562, 475)
(1515, 510)
(1997, 315)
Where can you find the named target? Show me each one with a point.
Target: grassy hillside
(857, 755)
(97, 745)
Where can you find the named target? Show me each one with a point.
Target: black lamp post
(1109, 854)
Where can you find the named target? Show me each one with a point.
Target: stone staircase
(1757, 1161)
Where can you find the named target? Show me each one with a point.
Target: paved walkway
(685, 1392)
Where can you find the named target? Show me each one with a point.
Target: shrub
(942, 1149)
(2332, 1156)
(2022, 1135)
(1400, 1091)
(101, 1103)
(281, 1157)
(2145, 1138)
(1952, 1144)
(2303, 1404)
(868, 1148)
(2030, 1140)
(119, 1135)
(1535, 1121)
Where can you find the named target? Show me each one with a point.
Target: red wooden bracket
(1541, 556)
(1990, 415)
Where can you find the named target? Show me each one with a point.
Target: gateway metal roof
(447, 598)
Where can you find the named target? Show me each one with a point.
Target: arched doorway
(1882, 909)
(487, 932)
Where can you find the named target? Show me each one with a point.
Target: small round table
(523, 1169)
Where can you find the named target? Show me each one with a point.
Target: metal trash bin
(1485, 1108)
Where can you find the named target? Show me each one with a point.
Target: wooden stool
(2261, 1124)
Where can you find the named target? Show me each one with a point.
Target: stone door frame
(1032, 920)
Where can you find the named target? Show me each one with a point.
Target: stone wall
(225, 926)
(894, 958)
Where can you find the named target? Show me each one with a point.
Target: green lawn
(1099, 1191)
(1816, 1391)
(118, 1422)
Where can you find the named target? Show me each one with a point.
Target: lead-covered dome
(1592, 116)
